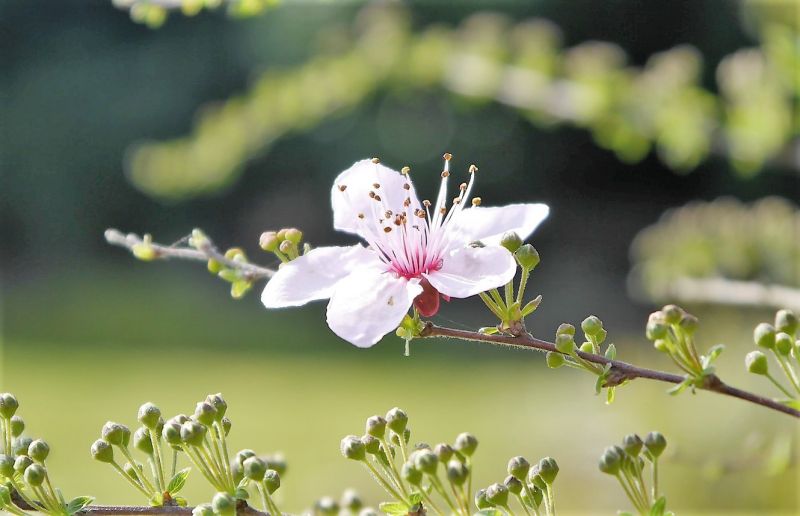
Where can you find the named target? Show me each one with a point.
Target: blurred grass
(79, 355)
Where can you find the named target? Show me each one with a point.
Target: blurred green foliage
(154, 13)
(518, 63)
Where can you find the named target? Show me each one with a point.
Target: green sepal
(229, 275)
(177, 482)
(77, 504)
(713, 353)
(688, 382)
(531, 306)
(611, 352)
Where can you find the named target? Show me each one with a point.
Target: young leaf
(415, 498)
(610, 395)
(658, 507)
(394, 508)
(680, 387)
(178, 480)
(78, 504)
(611, 352)
(157, 500)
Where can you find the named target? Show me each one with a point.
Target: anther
(442, 210)
(376, 185)
(476, 201)
(377, 198)
(426, 203)
(447, 156)
(462, 186)
(376, 160)
(406, 186)
(360, 215)
(387, 229)
(457, 200)
(405, 170)
(342, 188)
(473, 169)
(371, 194)
(388, 213)
(445, 173)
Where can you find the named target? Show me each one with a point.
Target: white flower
(416, 251)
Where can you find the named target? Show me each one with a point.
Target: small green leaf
(598, 386)
(488, 330)
(394, 508)
(611, 352)
(415, 498)
(610, 395)
(531, 306)
(181, 501)
(178, 480)
(680, 387)
(658, 507)
(157, 500)
(78, 504)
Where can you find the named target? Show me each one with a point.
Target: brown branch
(620, 371)
(242, 509)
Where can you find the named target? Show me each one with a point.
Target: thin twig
(620, 371)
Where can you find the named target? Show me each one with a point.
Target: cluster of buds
(411, 476)
(25, 480)
(285, 243)
(782, 340)
(671, 330)
(240, 282)
(568, 353)
(531, 485)
(350, 504)
(627, 463)
(509, 307)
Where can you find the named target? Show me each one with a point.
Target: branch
(620, 371)
(206, 252)
(241, 509)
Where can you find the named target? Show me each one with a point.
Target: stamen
(405, 170)
(473, 169)
(445, 173)
(342, 188)
(371, 194)
(462, 186)
(377, 198)
(406, 186)
(376, 185)
(447, 156)
(407, 202)
(457, 200)
(442, 210)
(476, 201)
(388, 213)
(426, 203)
(387, 229)
(376, 160)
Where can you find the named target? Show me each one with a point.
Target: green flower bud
(632, 444)
(511, 241)
(243, 455)
(254, 468)
(565, 329)
(326, 506)
(6, 466)
(149, 415)
(457, 472)
(586, 347)
(518, 467)
(466, 443)
(497, 494)
(205, 413)
(22, 463)
(444, 452)
(656, 330)
(554, 360)
(286, 247)
(226, 425)
(591, 325)
(116, 434)
(672, 314)
(548, 469)
(565, 343)
(219, 403)
(535, 478)
(142, 442)
(655, 443)
(277, 462)
(661, 345)
(269, 241)
(272, 480)
(611, 460)
(204, 509)
(783, 343)
(213, 266)
(352, 448)
(172, 432)
(8, 405)
(376, 426)
(480, 500)
(411, 474)
(786, 321)
(513, 484)
(371, 444)
(426, 461)
(397, 420)
(192, 433)
(756, 363)
(406, 435)
(20, 446)
(764, 336)
(223, 504)
(527, 257)
(34, 475)
(17, 426)
(689, 323)
(38, 450)
(102, 451)
(351, 501)
(5, 496)
(293, 235)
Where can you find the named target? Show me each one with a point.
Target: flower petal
(468, 271)
(368, 304)
(488, 224)
(314, 275)
(358, 181)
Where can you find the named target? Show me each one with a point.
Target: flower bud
(204, 509)
(513, 484)
(611, 460)
(142, 442)
(480, 500)
(497, 494)
(102, 451)
(20, 445)
(8, 405)
(243, 455)
(149, 415)
(632, 444)
(565, 329)
(764, 336)
(426, 461)
(17, 426)
(411, 474)
(527, 257)
(22, 463)
(548, 469)
(219, 403)
(786, 321)
(655, 443)
(269, 241)
(591, 325)
(554, 360)
(587, 347)
(672, 314)
(371, 444)
(293, 235)
(5, 496)
(172, 433)
(254, 468)
(116, 434)
(286, 247)
(205, 413)
(457, 472)
(756, 363)
(213, 266)
(396, 420)
(376, 426)
(535, 478)
(326, 506)
(518, 467)
(351, 501)
(223, 504)
(34, 475)
(6, 466)
(192, 433)
(783, 343)
(444, 452)
(688, 323)
(655, 330)
(226, 425)
(352, 448)
(236, 471)
(511, 241)
(272, 480)
(466, 443)
(565, 343)
(38, 450)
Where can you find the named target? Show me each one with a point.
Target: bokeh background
(610, 112)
